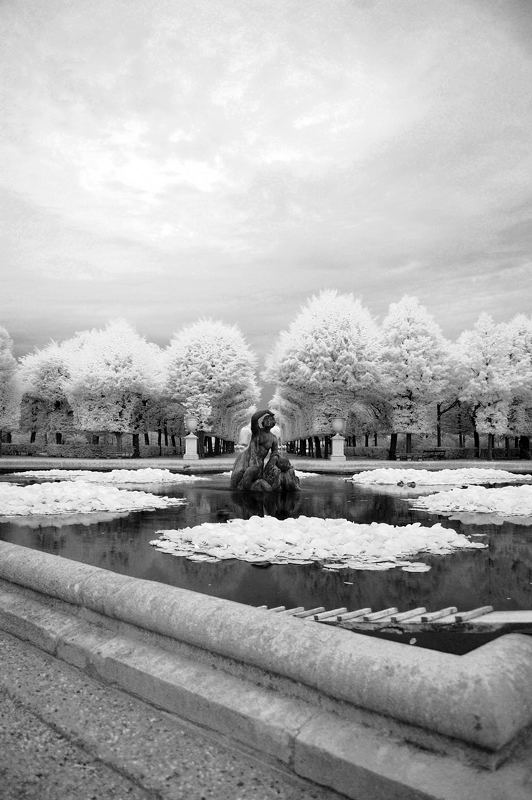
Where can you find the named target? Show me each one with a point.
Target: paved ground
(223, 463)
(64, 736)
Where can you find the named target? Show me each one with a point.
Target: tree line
(113, 380)
(402, 376)
(399, 377)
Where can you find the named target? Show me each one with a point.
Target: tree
(44, 375)
(10, 392)
(211, 371)
(519, 339)
(413, 362)
(111, 370)
(325, 362)
(483, 357)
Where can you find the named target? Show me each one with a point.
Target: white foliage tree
(110, 371)
(483, 354)
(326, 361)
(414, 367)
(10, 393)
(293, 413)
(519, 340)
(211, 371)
(44, 376)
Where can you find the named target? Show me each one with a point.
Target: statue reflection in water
(265, 504)
(252, 472)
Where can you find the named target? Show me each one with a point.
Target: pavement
(225, 463)
(65, 736)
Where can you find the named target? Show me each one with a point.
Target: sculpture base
(338, 443)
(191, 448)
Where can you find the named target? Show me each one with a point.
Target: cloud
(165, 161)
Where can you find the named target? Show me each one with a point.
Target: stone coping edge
(306, 740)
(482, 698)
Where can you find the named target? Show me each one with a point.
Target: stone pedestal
(338, 443)
(191, 448)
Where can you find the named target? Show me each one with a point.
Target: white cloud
(384, 144)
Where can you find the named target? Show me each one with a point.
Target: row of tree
(113, 380)
(399, 377)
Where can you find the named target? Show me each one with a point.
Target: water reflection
(500, 575)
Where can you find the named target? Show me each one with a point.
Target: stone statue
(251, 473)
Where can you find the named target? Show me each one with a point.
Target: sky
(169, 160)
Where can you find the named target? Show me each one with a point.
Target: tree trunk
(165, 436)
(366, 440)
(438, 425)
(118, 436)
(491, 443)
(136, 445)
(0, 441)
(201, 444)
(317, 446)
(506, 446)
(302, 447)
(393, 447)
(159, 441)
(146, 438)
(408, 438)
(328, 446)
(310, 447)
(376, 440)
(216, 446)
(209, 445)
(476, 439)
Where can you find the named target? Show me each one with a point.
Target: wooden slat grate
(367, 619)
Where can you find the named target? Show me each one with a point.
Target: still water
(500, 575)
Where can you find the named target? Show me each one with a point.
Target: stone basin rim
(482, 698)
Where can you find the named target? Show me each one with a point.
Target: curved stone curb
(361, 762)
(482, 698)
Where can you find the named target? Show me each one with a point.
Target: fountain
(251, 471)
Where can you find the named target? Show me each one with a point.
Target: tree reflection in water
(500, 575)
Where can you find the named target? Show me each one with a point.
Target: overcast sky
(163, 161)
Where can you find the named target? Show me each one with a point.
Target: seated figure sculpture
(251, 472)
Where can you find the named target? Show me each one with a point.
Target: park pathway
(65, 736)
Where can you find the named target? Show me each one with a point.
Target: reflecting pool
(500, 575)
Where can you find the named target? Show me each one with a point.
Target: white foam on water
(505, 502)
(335, 543)
(115, 476)
(75, 497)
(441, 477)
